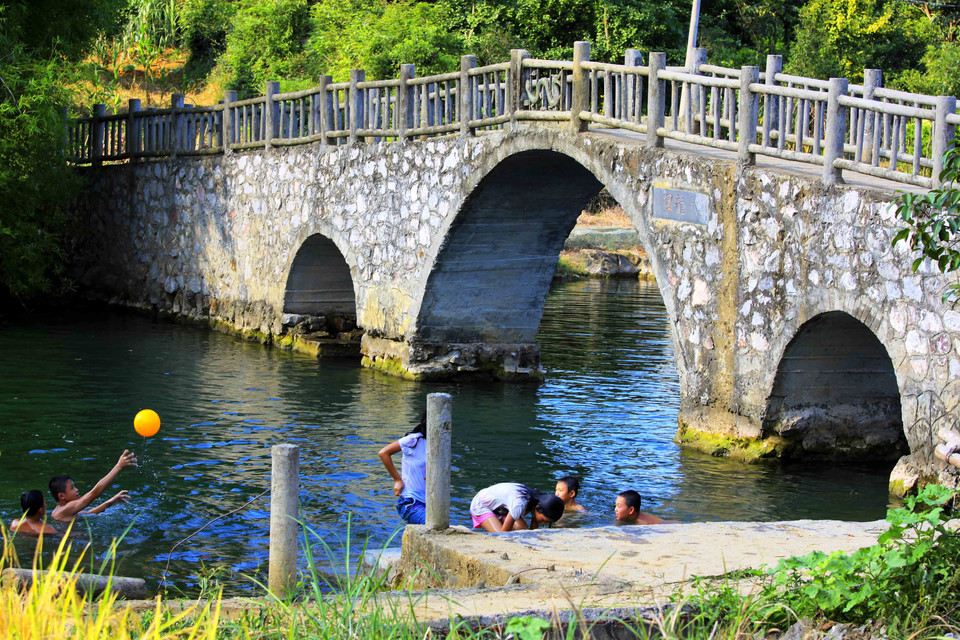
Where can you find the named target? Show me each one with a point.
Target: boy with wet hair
(69, 502)
(567, 489)
(34, 509)
(627, 510)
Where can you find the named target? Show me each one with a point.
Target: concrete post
(631, 58)
(872, 80)
(96, 134)
(771, 104)
(655, 100)
(228, 121)
(356, 102)
(271, 114)
(439, 408)
(749, 109)
(176, 124)
(405, 100)
(465, 94)
(943, 134)
(284, 506)
(515, 93)
(580, 98)
(133, 132)
(834, 131)
(324, 109)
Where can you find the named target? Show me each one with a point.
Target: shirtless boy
(627, 510)
(69, 502)
(34, 509)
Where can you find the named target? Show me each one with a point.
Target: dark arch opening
(493, 272)
(319, 297)
(835, 394)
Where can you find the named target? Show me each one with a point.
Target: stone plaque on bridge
(681, 205)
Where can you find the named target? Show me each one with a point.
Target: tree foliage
(840, 38)
(933, 223)
(38, 42)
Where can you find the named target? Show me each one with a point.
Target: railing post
(515, 94)
(834, 131)
(271, 114)
(771, 104)
(943, 134)
(228, 123)
(688, 95)
(872, 79)
(655, 100)
(465, 93)
(176, 124)
(749, 109)
(96, 134)
(65, 116)
(631, 58)
(284, 507)
(580, 97)
(439, 409)
(356, 102)
(405, 100)
(133, 131)
(325, 108)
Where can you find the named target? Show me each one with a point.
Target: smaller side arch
(835, 393)
(319, 281)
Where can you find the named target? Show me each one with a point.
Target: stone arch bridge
(799, 329)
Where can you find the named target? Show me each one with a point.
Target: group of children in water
(70, 503)
(507, 506)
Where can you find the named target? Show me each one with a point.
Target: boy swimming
(34, 509)
(69, 502)
(567, 489)
(627, 510)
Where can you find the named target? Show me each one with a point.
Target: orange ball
(147, 423)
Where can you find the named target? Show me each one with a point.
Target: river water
(70, 386)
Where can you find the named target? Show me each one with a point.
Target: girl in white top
(504, 507)
(410, 487)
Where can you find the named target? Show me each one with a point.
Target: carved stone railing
(830, 123)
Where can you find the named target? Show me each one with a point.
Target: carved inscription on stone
(681, 205)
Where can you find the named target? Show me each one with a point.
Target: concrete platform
(465, 573)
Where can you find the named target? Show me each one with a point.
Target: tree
(39, 41)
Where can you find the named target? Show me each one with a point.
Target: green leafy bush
(379, 36)
(266, 43)
(908, 579)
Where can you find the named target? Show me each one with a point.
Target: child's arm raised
(67, 511)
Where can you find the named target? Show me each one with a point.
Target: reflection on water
(606, 413)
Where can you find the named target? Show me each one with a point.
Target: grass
(914, 562)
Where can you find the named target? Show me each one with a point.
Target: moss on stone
(389, 365)
(744, 449)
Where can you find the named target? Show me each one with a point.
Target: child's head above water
(63, 486)
(567, 489)
(627, 508)
(31, 502)
(549, 508)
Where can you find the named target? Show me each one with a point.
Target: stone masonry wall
(214, 238)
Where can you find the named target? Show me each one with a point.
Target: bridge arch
(497, 251)
(319, 280)
(835, 393)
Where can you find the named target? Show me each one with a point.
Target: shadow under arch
(493, 271)
(835, 393)
(319, 281)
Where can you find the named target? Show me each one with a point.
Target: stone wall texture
(450, 245)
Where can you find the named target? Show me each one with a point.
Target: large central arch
(493, 271)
